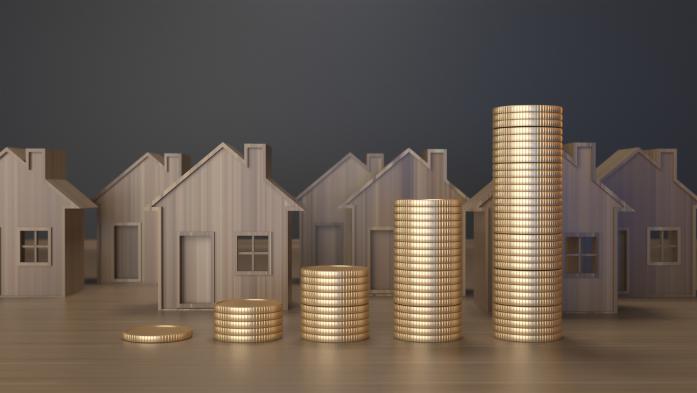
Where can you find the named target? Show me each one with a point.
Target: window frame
(35, 247)
(268, 253)
(580, 254)
(648, 246)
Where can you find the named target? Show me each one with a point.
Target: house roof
(346, 158)
(479, 199)
(133, 166)
(292, 204)
(406, 153)
(619, 158)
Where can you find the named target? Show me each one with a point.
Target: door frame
(314, 240)
(370, 257)
(626, 254)
(178, 270)
(140, 251)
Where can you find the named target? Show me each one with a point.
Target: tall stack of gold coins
(248, 320)
(427, 269)
(334, 303)
(528, 212)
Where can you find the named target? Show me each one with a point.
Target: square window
(253, 254)
(572, 264)
(244, 244)
(244, 262)
(663, 247)
(261, 262)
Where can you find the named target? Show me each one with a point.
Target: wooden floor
(74, 345)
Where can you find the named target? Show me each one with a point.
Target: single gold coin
(529, 115)
(528, 223)
(248, 324)
(334, 281)
(519, 202)
(528, 331)
(529, 288)
(526, 259)
(530, 152)
(427, 324)
(530, 295)
(540, 324)
(428, 231)
(539, 167)
(157, 334)
(529, 209)
(527, 123)
(335, 288)
(427, 332)
(334, 310)
(335, 324)
(427, 246)
(431, 311)
(248, 317)
(428, 274)
(527, 108)
(529, 317)
(334, 271)
(428, 295)
(428, 210)
(248, 306)
(554, 274)
(426, 224)
(527, 231)
(535, 131)
(454, 252)
(427, 266)
(427, 288)
(416, 239)
(334, 302)
(436, 317)
(527, 302)
(249, 332)
(428, 217)
(247, 339)
(428, 259)
(527, 266)
(427, 202)
(333, 295)
(531, 310)
(427, 302)
(527, 281)
(321, 338)
(529, 187)
(513, 158)
(553, 136)
(418, 338)
(429, 282)
(339, 317)
(336, 331)
(529, 252)
(528, 339)
(534, 195)
(528, 180)
(511, 237)
(528, 245)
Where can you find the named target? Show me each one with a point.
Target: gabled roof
(619, 158)
(330, 171)
(406, 153)
(479, 199)
(142, 159)
(292, 204)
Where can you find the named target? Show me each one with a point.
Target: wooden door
(329, 248)
(381, 260)
(196, 271)
(126, 252)
(622, 261)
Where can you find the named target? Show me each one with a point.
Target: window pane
(655, 235)
(670, 238)
(261, 262)
(27, 238)
(42, 238)
(572, 245)
(572, 264)
(42, 254)
(244, 263)
(655, 253)
(588, 245)
(670, 254)
(244, 244)
(261, 243)
(589, 264)
(26, 255)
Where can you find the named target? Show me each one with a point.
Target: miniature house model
(369, 216)
(224, 231)
(591, 213)
(125, 251)
(41, 225)
(657, 242)
(324, 237)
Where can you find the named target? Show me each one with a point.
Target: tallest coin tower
(528, 210)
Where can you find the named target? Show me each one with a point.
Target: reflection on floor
(74, 345)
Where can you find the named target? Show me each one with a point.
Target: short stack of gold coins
(334, 301)
(528, 213)
(248, 320)
(427, 269)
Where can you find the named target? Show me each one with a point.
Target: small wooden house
(41, 225)
(224, 231)
(591, 211)
(658, 243)
(126, 252)
(324, 237)
(370, 210)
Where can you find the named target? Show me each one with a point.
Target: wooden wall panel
(74, 251)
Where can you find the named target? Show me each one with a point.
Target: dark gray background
(109, 80)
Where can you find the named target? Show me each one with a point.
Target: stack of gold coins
(528, 212)
(248, 320)
(334, 303)
(427, 269)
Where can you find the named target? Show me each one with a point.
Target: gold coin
(528, 209)
(335, 339)
(528, 223)
(527, 281)
(335, 324)
(532, 152)
(248, 339)
(427, 217)
(412, 239)
(535, 195)
(539, 167)
(527, 123)
(427, 288)
(427, 295)
(428, 274)
(428, 210)
(247, 324)
(334, 302)
(555, 274)
(427, 202)
(511, 158)
(336, 331)
(532, 310)
(334, 310)
(428, 259)
(527, 317)
(427, 224)
(427, 332)
(439, 317)
(528, 331)
(511, 237)
(529, 188)
(535, 131)
(553, 136)
(427, 266)
(528, 288)
(427, 339)
(430, 311)
(248, 306)
(155, 334)
(528, 231)
(527, 324)
(333, 295)
(529, 115)
(528, 245)
(527, 266)
(427, 302)
(536, 295)
(335, 281)
(527, 302)
(455, 252)
(528, 108)
(448, 281)
(427, 324)
(428, 246)
(428, 231)
(502, 202)
(527, 259)
(335, 288)
(248, 332)
(528, 252)
(334, 271)
(338, 317)
(532, 180)
(528, 339)
(248, 317)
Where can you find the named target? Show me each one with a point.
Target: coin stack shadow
(528, 222)
(248, 320)
(334, 305)
(427, 270)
